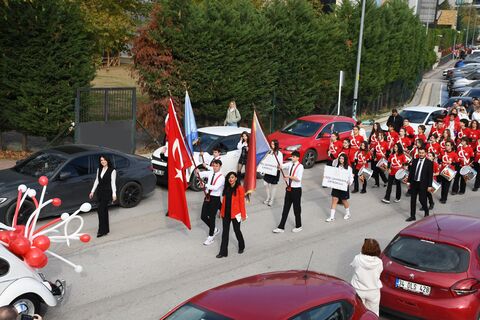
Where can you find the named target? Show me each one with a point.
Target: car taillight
(465, 287)
(150, 168)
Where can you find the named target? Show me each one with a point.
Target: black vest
(105, 183)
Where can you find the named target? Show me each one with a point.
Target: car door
(322, 140)
(73, 183)
(121, 165)
(344, 129)
(230, 154)
(337, 310)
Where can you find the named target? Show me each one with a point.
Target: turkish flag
(178, 161)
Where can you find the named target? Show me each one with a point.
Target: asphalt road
(149, 263)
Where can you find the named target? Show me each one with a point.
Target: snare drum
(468, 173)
(401, 174)
(435, 185)
(365, 173)
(382, 164)
(448, 173)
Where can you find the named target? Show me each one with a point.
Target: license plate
(159, 172)
(413, 287)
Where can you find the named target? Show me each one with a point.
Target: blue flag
(191, 133)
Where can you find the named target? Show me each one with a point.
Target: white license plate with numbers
(158, 172)
(413, 287)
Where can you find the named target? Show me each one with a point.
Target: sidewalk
(5, 164)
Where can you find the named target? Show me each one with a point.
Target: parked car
(310, 135)
(418, 115)
(472, 93)
(295, 295)
(432, 269)
(224, 137)
(466, 101)
(71, 171)
(24, 288)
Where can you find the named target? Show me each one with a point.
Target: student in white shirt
(293, 194)
(212, 201)
(207, 159)
(340, 195)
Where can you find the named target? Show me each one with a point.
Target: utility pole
(474, 27)
(359, 58)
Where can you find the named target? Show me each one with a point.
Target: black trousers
(209, 212)
(459, 182)
(445, 187)
(103, 223)
(292, 197)
(377, 173)
(476, 166)
(430, 198)
(398, 191)
(226, 235)
(416, 189)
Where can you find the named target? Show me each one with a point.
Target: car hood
(285, 139)
(10, 180)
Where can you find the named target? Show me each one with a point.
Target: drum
(448, 173)
(365, 173)
(382, 164)
(468, 173)
(401, 174)
(436, 185)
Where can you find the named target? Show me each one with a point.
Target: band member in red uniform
(465, 158)
(380, 153)
(474, 131)
(437, 131)
(355, 139)
(449, 159)
(418, 144)
(463, 132)
(421, 134)
(362, 157)
(452, 121)
(436, 172)
(334, 148)
(404, 140)
(446, 136)
(409, 131)
(476, 166)
(396, 162)
(434, 146)
(392, 136)
(348, 151)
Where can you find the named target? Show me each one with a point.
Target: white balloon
(31, 193)
(85, 207)
(22, 188)
(64, 216)
(78, 268)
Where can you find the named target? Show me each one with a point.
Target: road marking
(425, 95)
(440, 96)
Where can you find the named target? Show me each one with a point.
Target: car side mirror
(64, 176)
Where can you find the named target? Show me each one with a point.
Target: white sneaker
(385, 201)
(270, 202)
(347, 216)
(216, 232)
(278, 230)
(266, 202)
(330, 219)
(396, 200)
(209, 241)
(297, 229)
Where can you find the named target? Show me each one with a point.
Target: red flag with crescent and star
(178, 161)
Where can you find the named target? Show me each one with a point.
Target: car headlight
(294, 147)
(2, 200)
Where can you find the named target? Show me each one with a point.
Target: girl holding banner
(271, 181)
(340, 195)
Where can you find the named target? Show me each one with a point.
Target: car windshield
(40, 164)
(414, 116)
(206, 140)
(427, 255)
(302, 128)
(474, 92)
(192, 312)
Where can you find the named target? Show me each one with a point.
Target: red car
(295, 295)
(431, 270)
(310, 135)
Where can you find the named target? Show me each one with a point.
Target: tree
(46, 55)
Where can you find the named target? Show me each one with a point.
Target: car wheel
(130, 194)
(309, 159)
(26, 210)
(195, 182)
(28, 304)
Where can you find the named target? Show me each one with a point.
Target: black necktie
(290, 180)
(211, 182)
(417, 172)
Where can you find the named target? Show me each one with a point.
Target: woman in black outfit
(243, 147)
(105, 185)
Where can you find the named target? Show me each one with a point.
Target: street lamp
(359, 58)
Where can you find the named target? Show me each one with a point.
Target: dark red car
(310, 135)
(296, 295)
(431, 270)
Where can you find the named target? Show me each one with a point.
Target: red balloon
(85, 237)
(4, 236)
(19, 246)
(20, 229)
(36, 258)
(42, 242)
(56, 202)
(43, 181)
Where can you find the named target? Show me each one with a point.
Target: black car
(71, 171)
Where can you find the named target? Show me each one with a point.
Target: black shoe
(354, 191)
(240, 251)
(430, 207)
(422, 209)
(461, 192)
(426, 215)
(443, 201)
(410, 219)
(454, 193)
(363, 191)
(221, 256)
(376, 186)
(384, 184)
(407, 194)
(475, 189)
(99, 235)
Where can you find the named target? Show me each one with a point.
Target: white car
(24, 288)
(418, 115)
(226, 138)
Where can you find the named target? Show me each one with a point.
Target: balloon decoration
(32, 244)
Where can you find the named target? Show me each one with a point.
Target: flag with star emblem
(178, 161)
